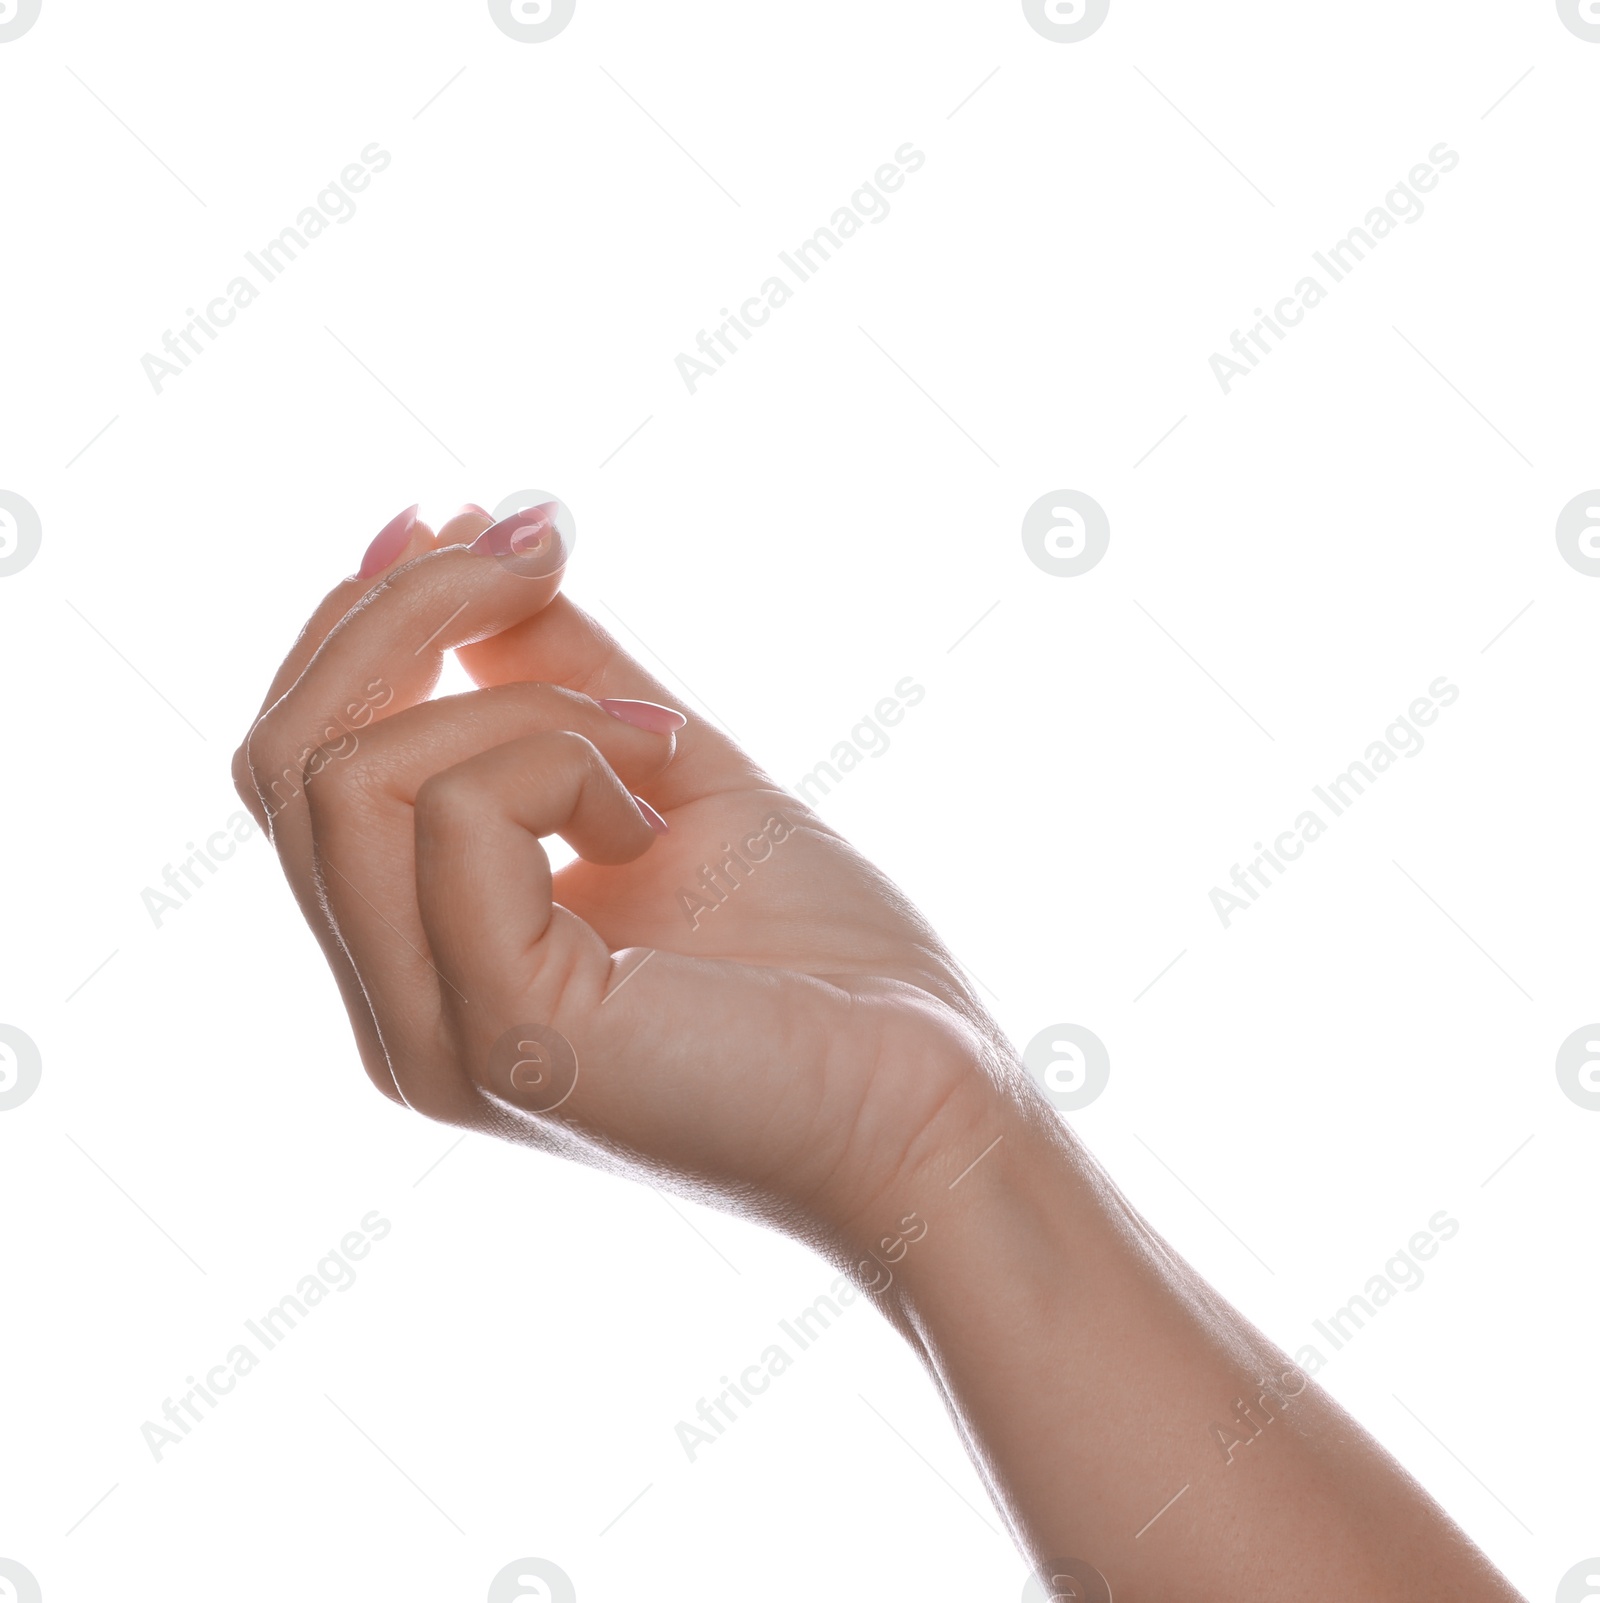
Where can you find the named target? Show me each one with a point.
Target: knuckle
(389, 1092)
(379, 1073)
(276, 779)
(545, 705)
(436, 1084)
(335, 780)
(243, 780)
(264, 738)
(425, 1094)
(568, 746)
(445, 798)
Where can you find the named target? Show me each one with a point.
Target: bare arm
(1123, 1414)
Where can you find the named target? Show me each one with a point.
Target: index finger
(561, 644)
(403, 537)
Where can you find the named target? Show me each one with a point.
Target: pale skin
(791, 1041)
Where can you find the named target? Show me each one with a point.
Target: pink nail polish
(651, 816)
(645, 715)
(476, 510)
(519, 534)
(388, 544)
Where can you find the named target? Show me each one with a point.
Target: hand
(744, 1009)
(757, 1016)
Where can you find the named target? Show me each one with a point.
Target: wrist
(991, 1193)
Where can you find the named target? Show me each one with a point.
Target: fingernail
(476, 510)
(520, 533)
(388, 544)
(645, 715)
(651, 816)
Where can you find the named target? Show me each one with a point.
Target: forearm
(1124, 1414)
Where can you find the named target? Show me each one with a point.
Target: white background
(1289, 568)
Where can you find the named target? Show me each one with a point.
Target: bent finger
(563, 645)
(483, 892)
(404, 536)
(363, 830)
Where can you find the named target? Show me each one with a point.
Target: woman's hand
(743, 1008)
(728, 999)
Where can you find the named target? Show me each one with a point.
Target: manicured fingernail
(651, 816)
(645, 715)
(476, 510)
(520, 533)
(388, 544)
